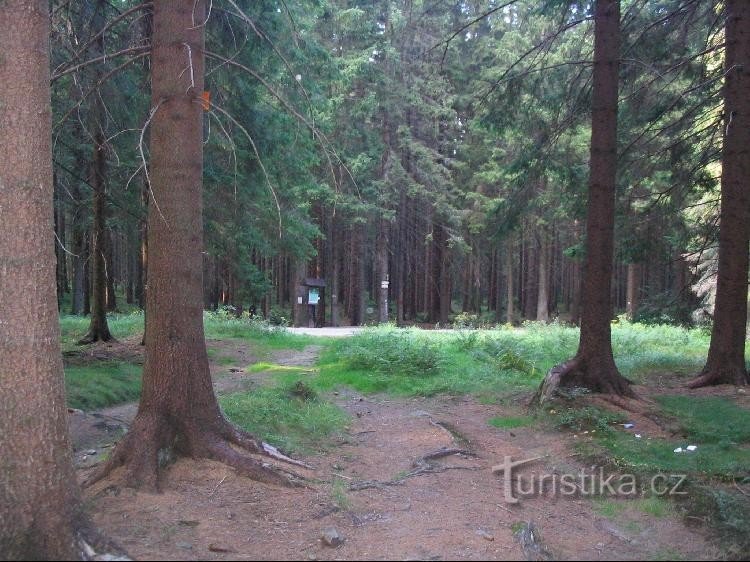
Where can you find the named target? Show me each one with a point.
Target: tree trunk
(510, 310)
(445, 289)
(110, 271)
(382, 279)
(178, 409)
(594, 367)
(60, 244)
(80, 260)
(41, 515)
(575, 282)
(98, 327)
(726, 354)
(542, 302)
(531, 278)
(357, 281)
(334, 267)
(299, 307)
(633, 298)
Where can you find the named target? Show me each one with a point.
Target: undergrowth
(496, 362)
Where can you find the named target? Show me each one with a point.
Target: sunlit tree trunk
(726, 354)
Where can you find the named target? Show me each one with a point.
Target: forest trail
(383, 495)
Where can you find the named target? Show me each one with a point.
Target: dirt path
(385, 501)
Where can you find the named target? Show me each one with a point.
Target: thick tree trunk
(60, 244)
(575, 281)
(178, 409)
(594, 366)
(726, 354)
(41, 515)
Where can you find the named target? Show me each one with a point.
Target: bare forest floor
(374, 487)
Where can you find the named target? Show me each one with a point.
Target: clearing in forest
(403, 432)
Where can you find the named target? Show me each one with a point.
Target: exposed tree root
(423, 465)
(580, 373)
(141, 452)
(725, 374)
(92, 337)
(639, 405)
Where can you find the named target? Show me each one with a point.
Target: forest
(308, 271)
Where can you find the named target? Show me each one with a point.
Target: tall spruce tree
(594, 367)
(178, 409)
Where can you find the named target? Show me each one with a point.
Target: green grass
(719, 428)
(587, 418)
(709, 419)
(339, 494)
(107, 383)
(613, 508)
(217, 325)
(265, 367)
(103, 384)
(420, 363)
(492, 363)
(609, 508)
(511, 422)
(121, 326)
(655, 506)
(282, 417)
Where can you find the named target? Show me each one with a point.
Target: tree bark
(510, 309)
(633, 298)
(98, 327)
(594, 367)
(80, 260)
(542, 302)
(178, 409)
(41, 515)
(726, 354)
(382, 277)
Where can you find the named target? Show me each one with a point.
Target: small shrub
(468, 321)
